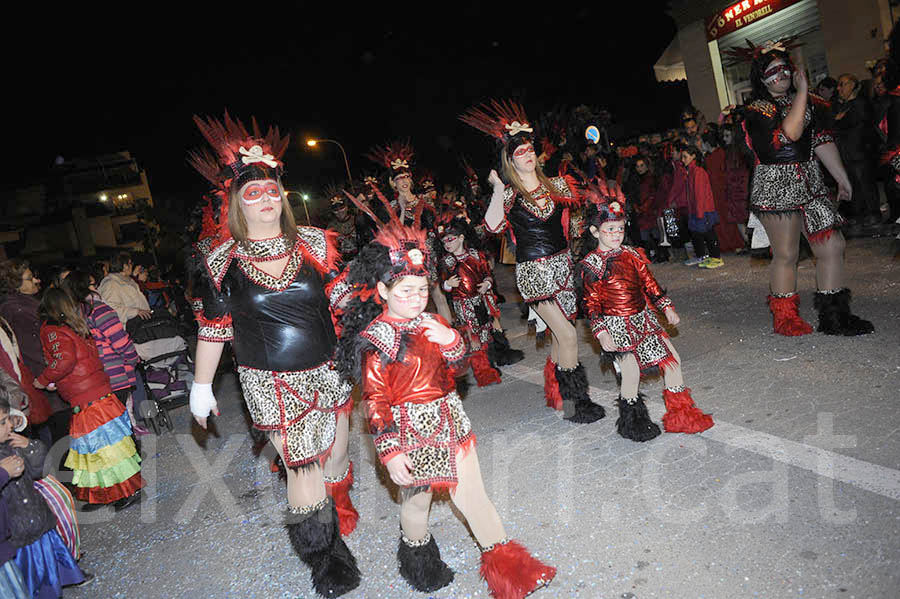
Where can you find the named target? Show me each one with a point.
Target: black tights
(706, 244)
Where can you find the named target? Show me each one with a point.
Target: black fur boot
(316, 538)
(422, 567)
(500, 351)
(577, 404)
(634, 422)
(835, 317)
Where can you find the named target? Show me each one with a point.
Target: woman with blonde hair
(535, 210)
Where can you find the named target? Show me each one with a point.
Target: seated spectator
(121, 292)
(19, 307)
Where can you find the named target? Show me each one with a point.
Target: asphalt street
(794, 493)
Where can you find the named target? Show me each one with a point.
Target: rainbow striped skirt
(106, 464)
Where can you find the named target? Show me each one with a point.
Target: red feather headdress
(501, 119)
(235, 155)
(751, 52)
(396, 157)
(406, 245)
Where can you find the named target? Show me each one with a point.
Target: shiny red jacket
(472, 269)
(419, 373)
(74, 365)
(619, 283)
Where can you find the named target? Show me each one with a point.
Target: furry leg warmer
(485, 374)
(634, 421)
(339, 490)
(786, 316)
(511, 572)
(573, 387)
(682, 416)
(421, 564)
(551, 386)
(835, 317)
(314, 535)
(503, 354)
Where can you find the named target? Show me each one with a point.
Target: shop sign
(740, 14)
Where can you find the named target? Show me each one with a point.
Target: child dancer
(467, 278)
(616, 283)
(404, 359)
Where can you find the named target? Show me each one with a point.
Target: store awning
(670, 66)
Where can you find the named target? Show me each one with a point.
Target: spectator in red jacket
(102, 453)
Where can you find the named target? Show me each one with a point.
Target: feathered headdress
(503, 120)
(406, 246)
(752, 52)
(426, 181)
(471, 175)
(335, 196)
(396, 157)
(235, 156)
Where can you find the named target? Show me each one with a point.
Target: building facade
(838, 36)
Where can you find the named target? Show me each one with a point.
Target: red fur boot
(512, 573)
(786, 316)
(485, 374)
(682, 416)
(551, 386)
(339, 490)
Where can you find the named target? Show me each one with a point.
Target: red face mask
(257, 192)
(522, 150)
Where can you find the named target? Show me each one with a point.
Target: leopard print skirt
(792, 187)
(466, 310)
(302, 406)
(548, 278)
(642, 335)
(431, 434)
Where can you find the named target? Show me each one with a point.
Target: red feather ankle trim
(340, 493)
(551, 386)
(512, 573)
(682, 416)
(485, 374)
(786, 316)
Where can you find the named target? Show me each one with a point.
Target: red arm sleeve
(652, 289)
(377, 397)
(59, 353)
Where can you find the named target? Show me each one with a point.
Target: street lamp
(303, 197)
(313, 142)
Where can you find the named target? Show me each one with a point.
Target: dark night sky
(362, 78)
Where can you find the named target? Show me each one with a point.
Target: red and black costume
(283, 336)
(787, 176)
(409, 389)
(616, 286)
(544, 264)
(474, 311)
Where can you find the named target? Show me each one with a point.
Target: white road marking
(822, 462)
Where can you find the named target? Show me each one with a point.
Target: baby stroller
(166, 367)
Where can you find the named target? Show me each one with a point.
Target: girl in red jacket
(702, 215)
(616, 283)
(102, 453)
(405, 360)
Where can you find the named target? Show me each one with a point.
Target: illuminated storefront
(838, 36)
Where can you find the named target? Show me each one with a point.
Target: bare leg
(830, 262)
(472, 500)
(339, 458)
(672, 375)
(305, 486)
(784, 232)
(565, 337)
(631, 376)
(414, 514)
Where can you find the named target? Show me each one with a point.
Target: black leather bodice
(279, 330)
(536, 238)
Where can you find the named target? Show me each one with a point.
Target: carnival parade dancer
(615, 284)
(397, 158)
(466, 276)
(405, 360)
(786, 128)
(270, 287)
(535, 208)
(341, 220)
